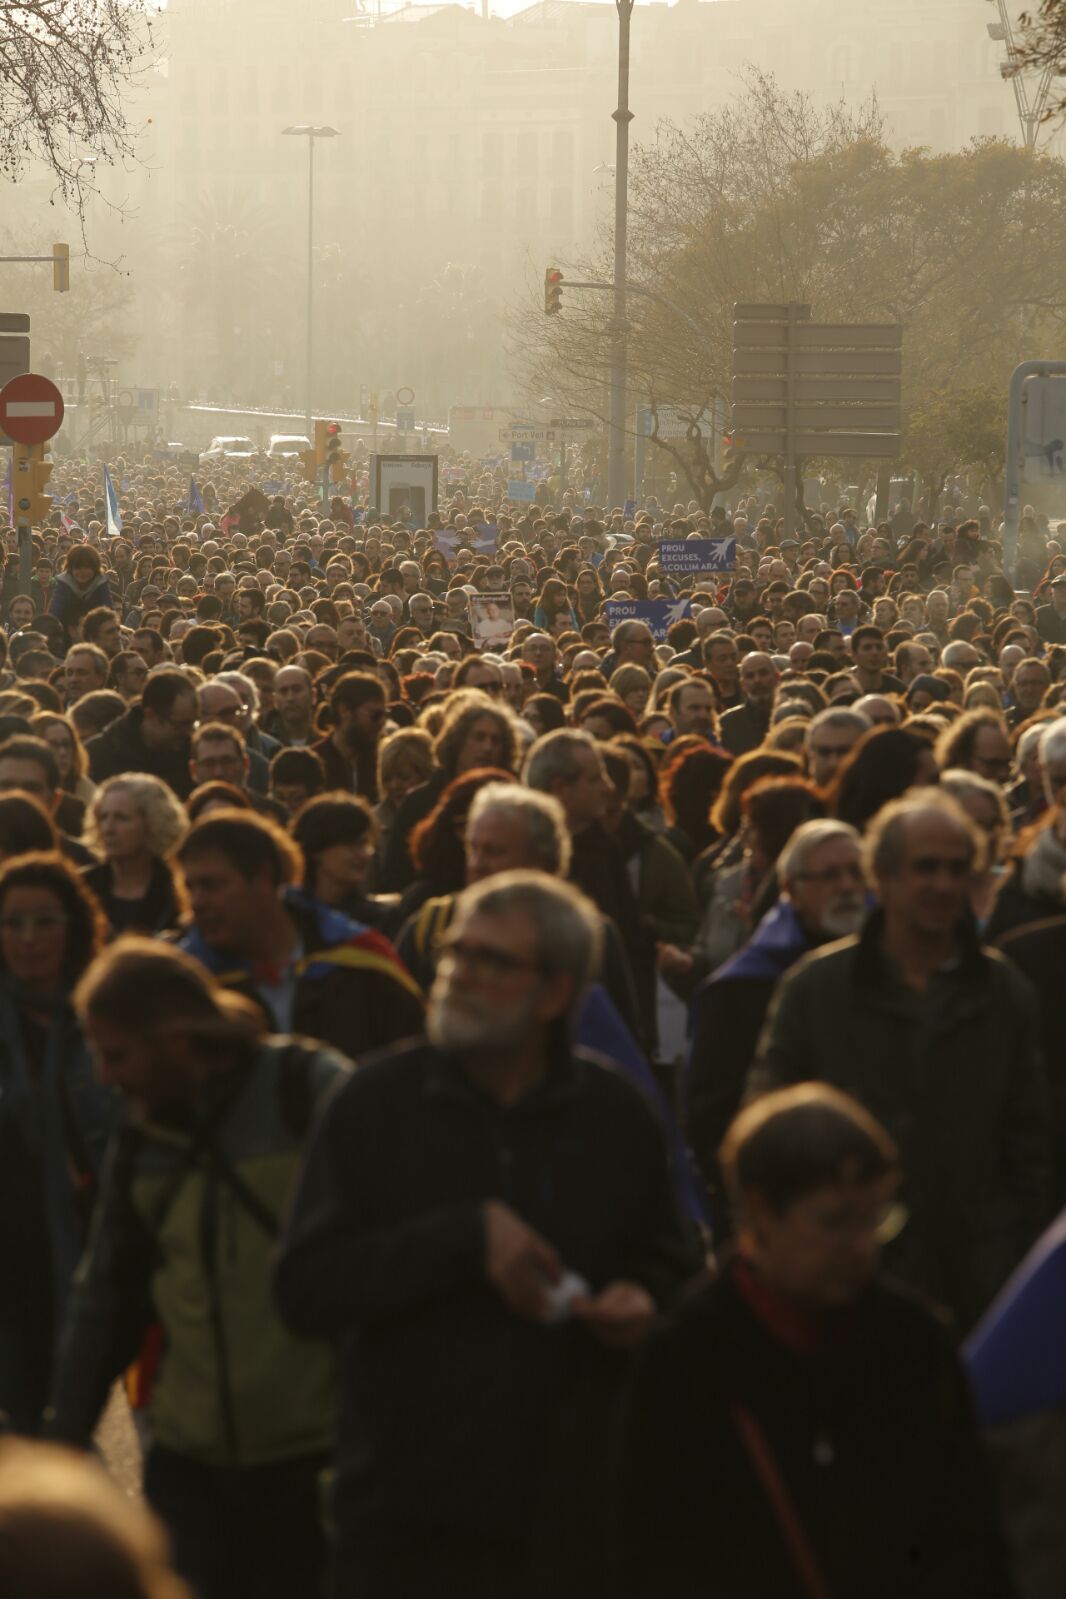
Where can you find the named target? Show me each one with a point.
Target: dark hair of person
(86, 923)
(250, 843)
(162, 688)
(328, 819)
(799, 1141)
(206, 794)
(298, 766)
(27, 747)
(548, 710)
(689, 787)
(83, 555)
(618, 717)
(882, 765)
(25, 826)
(140, 983)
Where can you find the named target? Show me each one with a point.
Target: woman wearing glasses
(55, 1119)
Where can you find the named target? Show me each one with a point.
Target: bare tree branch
(67, 68)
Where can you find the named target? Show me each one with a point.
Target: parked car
(229, 447)
(286, 446)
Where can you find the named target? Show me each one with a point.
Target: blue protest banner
(659, 614)
(521, 491)
(523, 452)
(698, 555)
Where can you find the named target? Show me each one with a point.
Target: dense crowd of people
(465, 1087)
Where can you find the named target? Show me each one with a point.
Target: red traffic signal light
(553, 291)
(336, 455)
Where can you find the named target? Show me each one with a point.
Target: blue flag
(114, 515)
(196, 499)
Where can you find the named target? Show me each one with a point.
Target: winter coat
(661, 881)
(1039, 950)
(727, 1015)
(352, 991)
(55, 1123)
(450, 1396)
(71, 605)
(120, 748)
(185, 1238)
(869, 1430)
(955, 1077)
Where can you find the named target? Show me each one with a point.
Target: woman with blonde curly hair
(135, 820)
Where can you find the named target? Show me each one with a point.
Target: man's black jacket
(872, 1434)
(450, 1397)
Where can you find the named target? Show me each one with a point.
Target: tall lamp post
(616, 452)
(310, 133)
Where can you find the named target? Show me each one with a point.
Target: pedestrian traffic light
(553, 291)
(310, 465)
(336, 454)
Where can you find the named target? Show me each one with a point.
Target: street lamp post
(616, 449)
(310, 133)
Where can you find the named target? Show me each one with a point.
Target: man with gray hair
(823, 897)
(938, 1038)
(463, 1197)
(831, 735)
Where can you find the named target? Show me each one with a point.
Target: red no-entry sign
(31, 409)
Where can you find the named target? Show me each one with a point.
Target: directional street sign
(14, 356)
(872, 445)
(879, 417)
(745, 311)
(885, 390)
(527, 435)
(820, 335)
(573, 424)
(803, 388)
(31, 409)
(879, 363)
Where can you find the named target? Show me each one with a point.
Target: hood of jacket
(776, 944)
(65, 581)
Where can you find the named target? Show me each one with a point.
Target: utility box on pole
(803, 389)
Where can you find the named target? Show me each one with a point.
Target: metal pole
(616, 452)
(790, 423)
(310, 274)
(1012, 484)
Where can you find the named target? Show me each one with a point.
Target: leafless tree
(67, 72)
(1040, 46)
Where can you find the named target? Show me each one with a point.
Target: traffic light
(40, 472)
(732, 450)
(553, 291)
(29, 478)
(320, 444)
(310, 465)
(336, 454)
